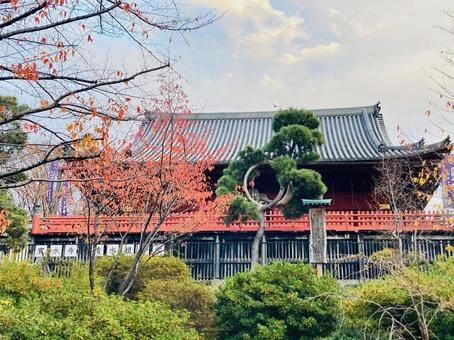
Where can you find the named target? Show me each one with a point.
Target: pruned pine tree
(292, 146)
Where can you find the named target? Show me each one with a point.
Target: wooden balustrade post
(317, 238)
(217, 259)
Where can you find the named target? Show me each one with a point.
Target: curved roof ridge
(342, 111)
(381, 125)
(368, 129)
(422, 146)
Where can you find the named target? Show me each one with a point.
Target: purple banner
(448, 182)
(63, 205)
(53, 167)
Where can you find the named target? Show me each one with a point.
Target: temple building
(356, 141)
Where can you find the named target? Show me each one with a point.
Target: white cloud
(313, 52)
(268, 82)
(345, 23)
(257, 29)
(324, 53)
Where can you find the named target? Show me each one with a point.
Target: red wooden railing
(341, 221)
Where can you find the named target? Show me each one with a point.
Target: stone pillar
(317, 238)
(264, 251)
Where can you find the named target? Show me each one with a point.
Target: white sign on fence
(55, 250)
(70, 250)
(100, 250)
(112, 249)
(158, 249)
(128, 249)
(40, 250)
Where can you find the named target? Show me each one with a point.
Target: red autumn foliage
(4, 222)
(171, 180)
(52, 53)
(166, 183)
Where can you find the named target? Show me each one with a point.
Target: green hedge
(33, 306)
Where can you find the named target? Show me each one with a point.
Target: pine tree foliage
(292, 146)
(13, 220)
(12, 136)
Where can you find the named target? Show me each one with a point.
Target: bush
(22, 279)
(104, 317)
(150, 268)
(388, 306)
(197, 298)
(167, 280)
(64, 309)
(277, 301)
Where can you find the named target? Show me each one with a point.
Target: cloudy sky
(318, 54)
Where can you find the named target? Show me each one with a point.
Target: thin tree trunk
(257, 239)
(424, 330)
(109, 276)
(92, 244)
(401, 249)
(131, 275)
(114, 265)
(261, 210)
(133, 270)
(91, 265)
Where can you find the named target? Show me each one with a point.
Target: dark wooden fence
(346, 259)
(220, 258)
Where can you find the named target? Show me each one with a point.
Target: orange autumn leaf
(44, 103)
(27, 71)
(4, 222)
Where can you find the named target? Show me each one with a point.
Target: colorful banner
(448, 183)
(52, 176)
(63, 205)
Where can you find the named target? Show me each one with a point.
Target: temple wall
(350, 187)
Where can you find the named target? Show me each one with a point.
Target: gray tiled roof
(351, 134)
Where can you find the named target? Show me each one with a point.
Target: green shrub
(23, 279)
(197, 298)
(103, 317)
(277, 301)
(380, 307)
(158, 267)
(164, 279)
(36, 307)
